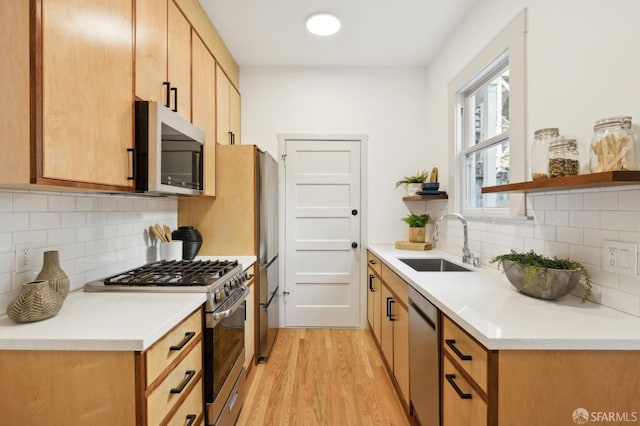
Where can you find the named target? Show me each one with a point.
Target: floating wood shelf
(426, 197)
(591, 180)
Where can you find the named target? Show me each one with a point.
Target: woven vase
(52, 272)
(36, 301)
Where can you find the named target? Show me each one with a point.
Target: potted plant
(414, 183)
(543, 277)
(417, 226)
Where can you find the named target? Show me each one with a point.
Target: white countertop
(489, 308)
(108, 321)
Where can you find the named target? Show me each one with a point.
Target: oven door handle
(217, 316)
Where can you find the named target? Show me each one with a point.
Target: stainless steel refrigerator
(268, 276)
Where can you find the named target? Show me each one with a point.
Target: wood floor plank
(322, 377)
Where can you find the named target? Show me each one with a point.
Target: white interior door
(322, 221)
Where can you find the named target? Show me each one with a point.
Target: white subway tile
(552, 248)
(569, 202)
(28, 202)
(5, 283)
(6, 242)
(7, 262)
(86, 204)
(107, 231)
(56, 237)
(38, 238)
(17, 280)
(128, 229)
(557, 218)
(596, 237)
(6, 202)
(602, 277)
(44, 220)
(629, 200)
(61, 203)
(629, 284)
(545, 232)
(570, 235)
(584, 219)
(601, 201)
(533, 244)
(107, 204)
(544, 202)
(73, 220)
(114, 244)
(95, 247)
(584, 254)
(140, 204)
(125, 204)
(71, 251)
(621, 301)
(11, 222)
(97, 218)
(87, 233)
(524, 231)
(620, 220)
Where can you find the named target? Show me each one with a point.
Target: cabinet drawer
(461, 406)
(454, 338)
(396, 284)
(160, 355)
(162, 399)
(190, 410)
(374, 263)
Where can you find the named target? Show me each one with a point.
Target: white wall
(582, 65)
(96, 235)
(387, 104)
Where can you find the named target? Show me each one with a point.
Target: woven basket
(36, 301)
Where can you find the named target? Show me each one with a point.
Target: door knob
(354, 212)
(354, 245)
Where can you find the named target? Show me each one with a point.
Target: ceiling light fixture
(323, 24)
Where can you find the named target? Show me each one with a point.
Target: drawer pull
(232, 403)
(187, 378)
(452, 344)
(372, 262)
(451, 379)
(187, 336)
(391, 302)
(371, 289)
(191, 419)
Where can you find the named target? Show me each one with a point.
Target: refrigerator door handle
(266, 305)
(268, 263)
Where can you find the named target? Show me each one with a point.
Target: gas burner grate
(174, 273)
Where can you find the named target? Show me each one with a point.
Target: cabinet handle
(233, 401)
(230, 138)
(371, 289)
(134, 169)
(391, 318)
(452, 344)
(187, 336)
(372, 262)
(188, 375)
(388, 313)
(191, 419)
(168, 92)
(175, 99)
(451, 379)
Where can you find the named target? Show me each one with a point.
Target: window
(488, 140)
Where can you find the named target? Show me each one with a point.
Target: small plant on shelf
(543, 277)
(420, 177)
(417, 221)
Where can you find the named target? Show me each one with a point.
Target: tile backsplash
(570, 224)
(95, 234)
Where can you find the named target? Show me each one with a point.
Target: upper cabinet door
(222, 107)
(204, 107)
(234, 113)
(179, 60)
(86, 80)
(151, 50)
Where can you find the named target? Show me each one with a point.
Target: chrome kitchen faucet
(466, 253)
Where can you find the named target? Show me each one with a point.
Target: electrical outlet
(621, 258)
(24, 257)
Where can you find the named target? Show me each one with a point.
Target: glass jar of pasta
(613, 145)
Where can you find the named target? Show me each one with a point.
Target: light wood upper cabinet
(227, 110)
(179, 60)
(204, 107)
(87, 91)
(151, 50)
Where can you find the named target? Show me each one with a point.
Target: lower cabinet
(461, 404)
(162, 385)
(388, 316)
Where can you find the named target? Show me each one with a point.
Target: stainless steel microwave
(169, 152)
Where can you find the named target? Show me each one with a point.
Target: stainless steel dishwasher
(424, 360)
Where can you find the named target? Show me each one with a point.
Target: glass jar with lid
(613, 145)
(563, 158)
(542, 138)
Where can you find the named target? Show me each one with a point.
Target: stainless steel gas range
(225, 313)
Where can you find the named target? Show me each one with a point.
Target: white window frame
(508, 45)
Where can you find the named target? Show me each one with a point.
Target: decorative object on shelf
(563, 158)
(543, 277)
(52, 272)
(542, 138)
(413, 183)
(191, 241)
(613, 145)
(36, 301)
(417, 226)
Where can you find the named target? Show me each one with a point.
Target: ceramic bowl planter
(542, 283)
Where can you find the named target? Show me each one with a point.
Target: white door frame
(364, 203)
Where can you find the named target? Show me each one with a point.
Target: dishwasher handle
(424, 316)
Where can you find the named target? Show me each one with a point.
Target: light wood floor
(322, 377)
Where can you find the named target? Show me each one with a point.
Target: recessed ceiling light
(323, 24)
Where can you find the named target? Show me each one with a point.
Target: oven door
(224, 350)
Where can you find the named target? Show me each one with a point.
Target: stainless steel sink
(434, 265)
